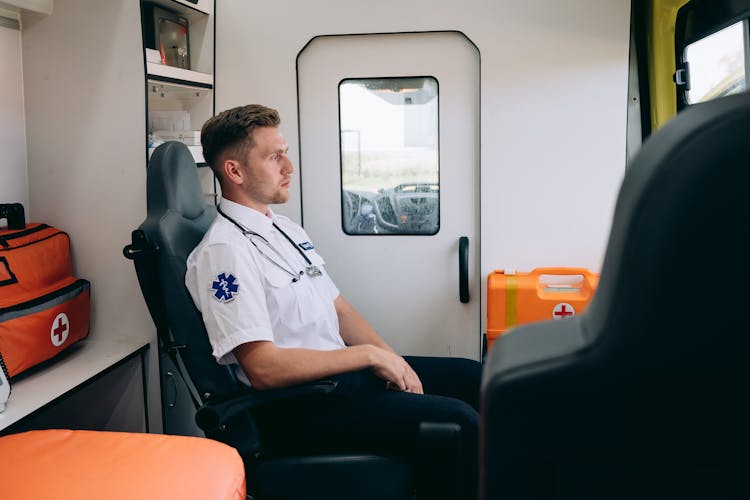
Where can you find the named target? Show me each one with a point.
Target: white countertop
(80, 363)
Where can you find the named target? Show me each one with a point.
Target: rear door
(389, 144)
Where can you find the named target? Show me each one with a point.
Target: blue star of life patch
(226, 287)
(306, 245)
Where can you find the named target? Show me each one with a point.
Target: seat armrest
(526, 401)
(438, 468)
(217, 412)
(526, 349)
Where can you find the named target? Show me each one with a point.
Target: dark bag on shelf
(43, 307)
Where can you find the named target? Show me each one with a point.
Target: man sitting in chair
(274, 314)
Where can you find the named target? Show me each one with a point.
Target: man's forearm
(354, 329)
(270, 367)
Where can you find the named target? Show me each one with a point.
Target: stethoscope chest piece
(313, 271)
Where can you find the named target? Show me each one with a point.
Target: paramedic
(273, 313)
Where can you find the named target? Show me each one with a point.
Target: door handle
(463, 269)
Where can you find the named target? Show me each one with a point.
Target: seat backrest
(673, 282)
(644, 395)
(177, 218)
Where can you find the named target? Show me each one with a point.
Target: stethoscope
(310, 269)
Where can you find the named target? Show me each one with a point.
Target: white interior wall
(13, 170)
(86, 119)
(554, 101)
(554, 97)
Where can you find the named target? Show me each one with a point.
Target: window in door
(390, 175)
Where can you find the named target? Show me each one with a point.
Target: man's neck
(244, 201)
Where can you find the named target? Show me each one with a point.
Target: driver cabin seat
(177, 218)
(647, 393)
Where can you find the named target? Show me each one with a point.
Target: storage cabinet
(179, 59)
(178, 41)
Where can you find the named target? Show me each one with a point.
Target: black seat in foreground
(177, 218)
(646, 394)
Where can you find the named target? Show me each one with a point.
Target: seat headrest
(172, 181)
(676, 254)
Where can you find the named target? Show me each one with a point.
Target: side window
(711, 50)
(390, 182)
(717, 64)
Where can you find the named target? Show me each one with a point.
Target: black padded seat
(177, 218)
(647, 393)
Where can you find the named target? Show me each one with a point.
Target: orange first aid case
(542, 294)
(43, 307)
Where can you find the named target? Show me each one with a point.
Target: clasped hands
(397, 373)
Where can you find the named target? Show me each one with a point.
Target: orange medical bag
(544, 293)
(43, 307)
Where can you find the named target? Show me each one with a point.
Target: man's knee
(461, 413)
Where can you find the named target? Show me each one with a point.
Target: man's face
(268, 170)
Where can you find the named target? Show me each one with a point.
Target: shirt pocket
(292, 303)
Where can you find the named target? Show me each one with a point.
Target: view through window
(717, 64)
(389, 155)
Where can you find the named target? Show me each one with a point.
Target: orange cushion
(85, 465)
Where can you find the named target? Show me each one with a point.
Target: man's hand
(413, 384)
(395, 371)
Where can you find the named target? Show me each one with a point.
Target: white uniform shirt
(245, 293)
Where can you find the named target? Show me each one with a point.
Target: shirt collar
(249, 218)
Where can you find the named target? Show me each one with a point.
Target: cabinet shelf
(179, 101)
(186, 7)
(172, 74)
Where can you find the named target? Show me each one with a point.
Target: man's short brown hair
(229, 134)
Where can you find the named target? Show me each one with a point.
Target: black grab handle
(463, 269)
(15, 215)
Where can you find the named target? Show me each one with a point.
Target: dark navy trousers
(362, 416)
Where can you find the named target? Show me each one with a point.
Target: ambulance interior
(447, 154)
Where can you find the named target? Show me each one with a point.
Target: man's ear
(232, 171)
